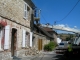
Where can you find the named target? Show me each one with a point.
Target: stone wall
(19, 28)
(14, 10)
(55, 37)
(44, 40)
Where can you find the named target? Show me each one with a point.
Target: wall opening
(13, 41)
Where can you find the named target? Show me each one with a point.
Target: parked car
(62, 47)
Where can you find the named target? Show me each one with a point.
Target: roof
(29, 2)
(44, 31)
(49, 30)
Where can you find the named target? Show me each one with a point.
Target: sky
(56, 10)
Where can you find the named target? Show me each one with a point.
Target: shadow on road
(62, 57)
(16, 58)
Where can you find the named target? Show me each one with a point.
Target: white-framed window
(27, 14)
(4, 37)
(25, 10)
(26, 39)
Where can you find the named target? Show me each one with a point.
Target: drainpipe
(32, 27)
(34, 17)
(32, 21)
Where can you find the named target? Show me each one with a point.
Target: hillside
(66, 36)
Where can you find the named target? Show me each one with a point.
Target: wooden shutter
(6, 42)
(23, 41)
(30, 39)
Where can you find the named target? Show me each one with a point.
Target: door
(13, 41)
(40, 44)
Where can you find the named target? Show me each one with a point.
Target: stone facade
(38, 36)
(55, 37)
(12, 11)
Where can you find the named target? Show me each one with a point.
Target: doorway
(40, 44)
(13, 41)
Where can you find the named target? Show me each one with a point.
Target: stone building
(41, 37)
(52, 32)
(15, 33)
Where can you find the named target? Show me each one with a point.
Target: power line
(69, 12)
(44, 18)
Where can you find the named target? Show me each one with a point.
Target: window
(25, 10)
(27, 39)
(28, 13)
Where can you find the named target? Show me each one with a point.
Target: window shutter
(23, 41)
(25, 10)
(30, 39)
(6, 42)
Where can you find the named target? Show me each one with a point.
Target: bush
(46, 47)
(50, 46)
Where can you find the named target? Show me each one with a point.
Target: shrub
(50, 46)
(46, 47)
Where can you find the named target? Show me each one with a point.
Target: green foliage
(46, 47)
(50, 46)
(68, 38)
(69, 47)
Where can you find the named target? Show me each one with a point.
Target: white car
(62, 47)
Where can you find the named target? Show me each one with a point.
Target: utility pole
(32, 21)
(37, 16)
(55, 24)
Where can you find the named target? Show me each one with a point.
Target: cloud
(75, 26)
(65, 26)
(62, 25)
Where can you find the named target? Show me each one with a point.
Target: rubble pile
(31, 51)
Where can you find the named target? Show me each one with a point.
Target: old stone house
(40, 37)
(15, 33)
(52, 32)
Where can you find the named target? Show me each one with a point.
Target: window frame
(25, 10)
